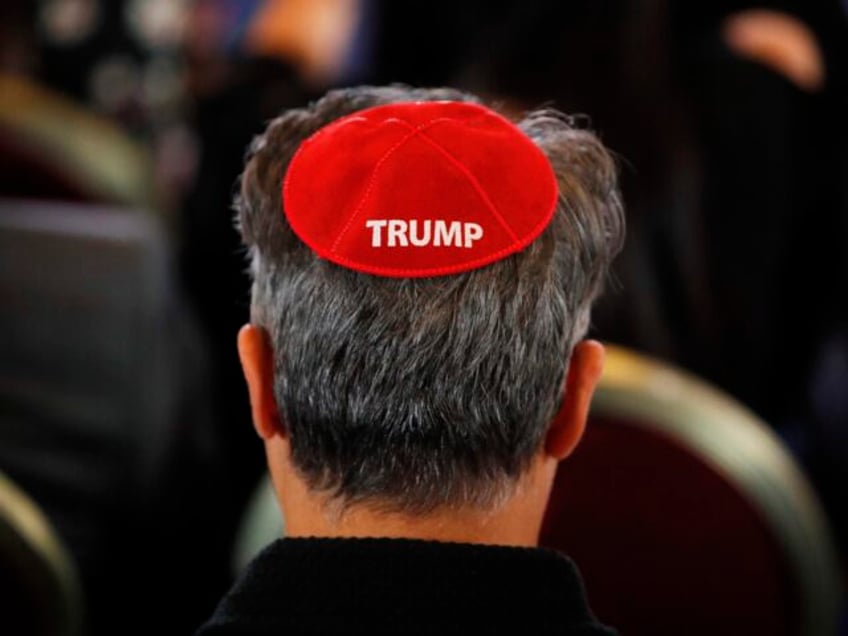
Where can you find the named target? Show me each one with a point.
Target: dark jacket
(399, 586)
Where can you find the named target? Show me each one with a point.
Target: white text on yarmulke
(414, 233)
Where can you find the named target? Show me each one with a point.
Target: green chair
(39, 591)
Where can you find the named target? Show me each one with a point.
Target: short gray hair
(413, 394)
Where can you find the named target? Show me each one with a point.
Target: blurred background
(123, 127)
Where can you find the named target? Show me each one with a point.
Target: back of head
(413, 394)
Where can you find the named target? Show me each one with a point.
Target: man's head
(413, 395)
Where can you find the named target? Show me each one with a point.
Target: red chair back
(686, 516)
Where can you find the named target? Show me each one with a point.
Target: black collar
(404, 586)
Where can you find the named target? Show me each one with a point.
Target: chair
(51, 148)
(84, 369)
(686, 515)
(104, 410)
(261, 524)
(38, 583)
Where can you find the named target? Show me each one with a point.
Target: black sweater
(399, 586)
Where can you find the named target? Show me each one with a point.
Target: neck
(461, 526)
(517, 521)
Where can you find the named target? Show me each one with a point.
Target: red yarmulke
(419, 189)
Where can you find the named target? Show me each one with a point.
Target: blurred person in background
(728, 121)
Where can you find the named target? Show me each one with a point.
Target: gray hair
(413, 394)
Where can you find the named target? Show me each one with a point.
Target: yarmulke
(419, 189)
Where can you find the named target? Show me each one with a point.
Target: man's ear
(584, 371)
(257, 363)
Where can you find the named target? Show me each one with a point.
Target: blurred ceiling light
(114, 83)
(162, 86)
(157, 24)
(68, 22)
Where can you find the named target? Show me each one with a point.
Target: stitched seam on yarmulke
(474, 184)
(372, 179)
